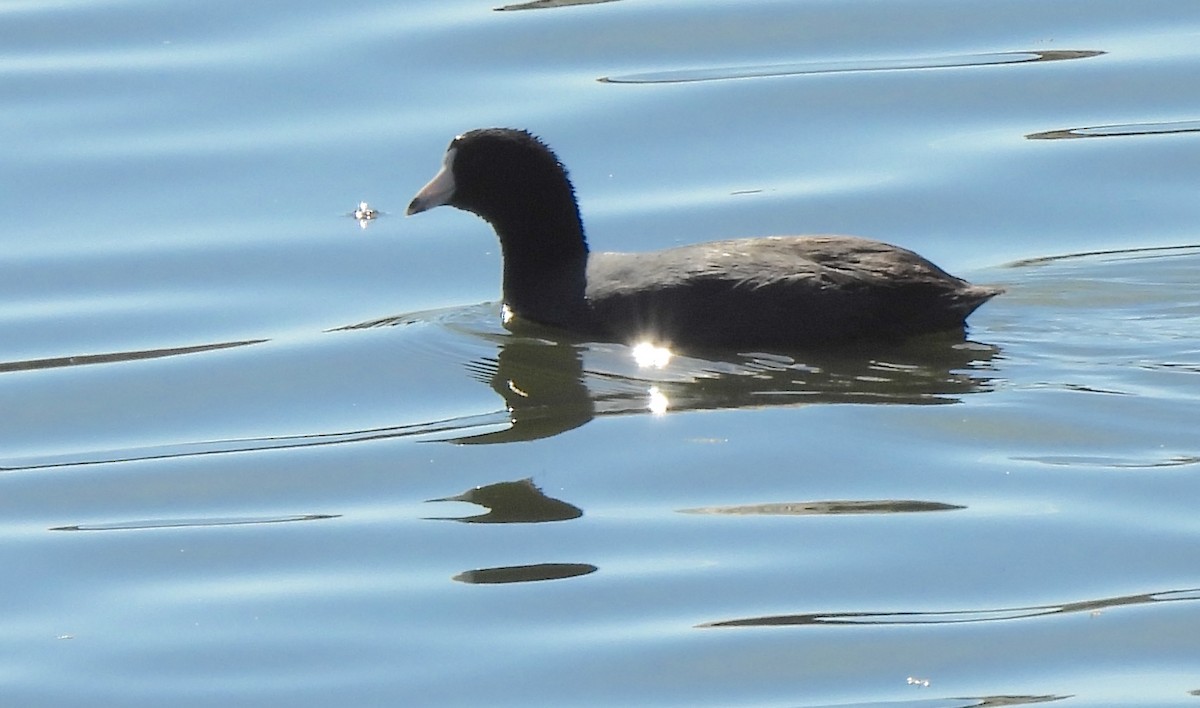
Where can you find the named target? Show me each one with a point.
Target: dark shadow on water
(1003, 614)
(547, 4)
(519, 502)
(523, 502)
(989, 701)
(828, 508)
(524, 573)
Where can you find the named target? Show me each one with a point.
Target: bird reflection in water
(542, 385)
(552, 383)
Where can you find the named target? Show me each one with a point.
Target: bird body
(777, 290)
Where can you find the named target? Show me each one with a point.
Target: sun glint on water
(651, 356)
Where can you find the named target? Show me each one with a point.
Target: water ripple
(836, 507)
(1111, 461)
(851, 65)
(546, 4)
(112, 357)
(193, 523)
(1190, 249)
(524, 573)
(959, 616)
(1119, 130)
(222, 447)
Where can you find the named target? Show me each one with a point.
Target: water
(254, 454)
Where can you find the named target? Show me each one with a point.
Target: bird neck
(545, 268)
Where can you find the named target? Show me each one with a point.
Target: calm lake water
(254, 454)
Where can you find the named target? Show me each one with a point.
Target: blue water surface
(256, 453)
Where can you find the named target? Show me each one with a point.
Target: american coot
(779, 290)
